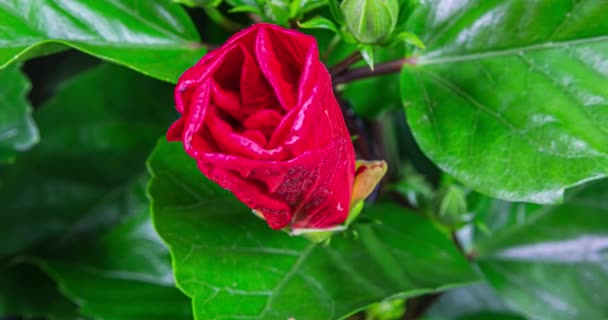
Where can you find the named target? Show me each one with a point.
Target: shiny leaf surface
(17, 129)
(235, 267)
(551, 262)
(153, 37)
(129, 269)
(510, 97)
(95, 141)
(478, 301)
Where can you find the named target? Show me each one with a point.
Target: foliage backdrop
(508, 99)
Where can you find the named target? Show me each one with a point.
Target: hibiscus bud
(370, 21)
(260, 118)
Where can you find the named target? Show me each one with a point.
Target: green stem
(220, 19)
(343, 65)
(366, 72)
(332, 45)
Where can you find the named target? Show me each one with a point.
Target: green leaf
(199, 3)
(510, 97)
(18, 131)
(367, 52)
(244, 9)
(336, 11)
(310, 5)
(552, 262)
(318, 23)
(488, 315)
(156, 38)
(26, 291)
(294, 8)
(452, 206)
(409, 38)
(97, 132)
(478, 301)
(123, 273)
(277, 11)
(245, 6)
(234, 266)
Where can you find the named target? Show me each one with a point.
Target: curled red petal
(260, 118)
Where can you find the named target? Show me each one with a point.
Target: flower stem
(211, 46)
(255, 18)
(379, 69)
(332, 45)
(343, 65)
(220, 19)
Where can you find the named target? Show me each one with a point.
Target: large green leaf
(17, 129)
(551, 262)
(477, 301)
(510, 97)
(126, 274)
(26, 291)
(153, 37)
(97, 132)
(235, 267)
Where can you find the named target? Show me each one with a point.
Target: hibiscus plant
(304, 159)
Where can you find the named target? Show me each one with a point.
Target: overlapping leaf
(126, 274)
(17, 129)
(96, 134)
(549, 262)
(235, 267)
(153, 37)
(511, 97)
(477, 301)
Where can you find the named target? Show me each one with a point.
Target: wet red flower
(260, 118)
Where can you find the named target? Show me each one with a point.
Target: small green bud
(386, 310)
(452, 206)
(370, 21)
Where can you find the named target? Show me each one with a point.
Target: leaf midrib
(436, 78)
(430, 60)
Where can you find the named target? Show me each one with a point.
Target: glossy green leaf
(245, 6)
(235, 267)
(552, 262)
(27, 292)
(97, 132)
(367, 52)
(199, 3)
(153, 37)
(318, 23)
(277, 11)
(310, 5)
(510, 97)
(478, 301)
(125, 274)
(336, 11)
(409, 38)
(488, 315)
(17, 129)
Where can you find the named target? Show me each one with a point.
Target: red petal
(265, 121)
